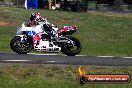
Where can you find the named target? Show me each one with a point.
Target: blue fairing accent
(30, 33)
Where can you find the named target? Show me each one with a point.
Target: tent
(50, 4)
(31, 4)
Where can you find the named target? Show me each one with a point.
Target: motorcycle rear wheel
(20, 48)
(68, 50)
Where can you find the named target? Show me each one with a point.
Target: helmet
(37, 16)
(32, 17)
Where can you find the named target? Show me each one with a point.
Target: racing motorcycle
(52, 39)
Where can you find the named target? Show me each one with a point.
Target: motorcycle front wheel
(72, 48)
(21, 47)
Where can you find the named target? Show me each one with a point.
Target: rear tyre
(68, 48)
(21, 47)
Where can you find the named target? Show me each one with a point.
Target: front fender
(25, 36)
(21, 36)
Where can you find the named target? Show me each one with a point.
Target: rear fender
(69, 30)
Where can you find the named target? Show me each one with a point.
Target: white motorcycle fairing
(32, 31)
(23, 28)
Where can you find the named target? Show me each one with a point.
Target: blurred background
(73, 5)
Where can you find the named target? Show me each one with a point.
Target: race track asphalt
(67, 60)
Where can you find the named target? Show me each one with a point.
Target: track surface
(58, 59)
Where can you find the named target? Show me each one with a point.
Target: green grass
(52, 76)
(100, 33)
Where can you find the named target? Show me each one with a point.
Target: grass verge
(54, 76)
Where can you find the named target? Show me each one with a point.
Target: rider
(35, 18)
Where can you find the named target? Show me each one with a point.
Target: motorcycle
(52, 39)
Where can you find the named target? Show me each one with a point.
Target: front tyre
(21, 46)
(72, 47)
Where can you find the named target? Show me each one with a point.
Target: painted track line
(16, 60)
(126, 57)
(81, 55)
(60, 59)
(105, 56)
(52, 54)
(54, 61)
(51, 61)
(42, 54)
